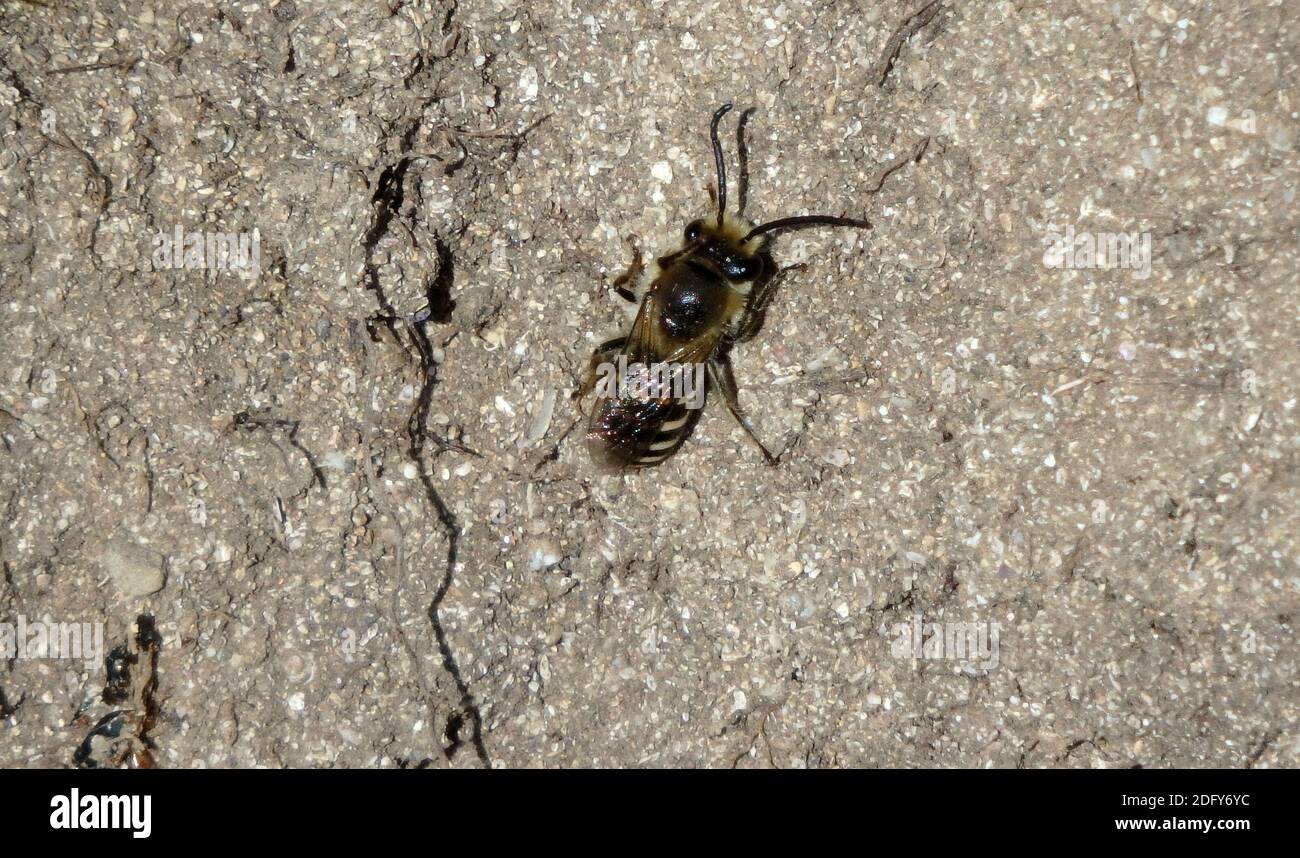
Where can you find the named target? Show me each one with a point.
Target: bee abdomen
(638, 433)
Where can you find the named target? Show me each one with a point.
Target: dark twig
(123, 64)
(245, 420)
(100, 182)
(915, 154)
(906, 30)
(1133, 68)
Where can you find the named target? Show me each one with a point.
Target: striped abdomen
(632, 432)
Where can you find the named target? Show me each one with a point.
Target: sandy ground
(353, 491)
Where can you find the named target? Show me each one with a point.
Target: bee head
(736, 257)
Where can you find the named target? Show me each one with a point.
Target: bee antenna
(806, 220)
(718, 162)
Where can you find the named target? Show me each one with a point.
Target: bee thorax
(694, 299)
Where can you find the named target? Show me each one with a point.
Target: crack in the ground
(417, 434)
(388, 199)
(7, 709)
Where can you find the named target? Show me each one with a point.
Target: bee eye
(742, 268)
(693, 230)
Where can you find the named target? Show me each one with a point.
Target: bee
(691, 306)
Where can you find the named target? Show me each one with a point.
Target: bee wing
(645, 428)
(643, 341)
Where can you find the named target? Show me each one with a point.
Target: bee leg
(752, 321)
(625, 283)
(721, 377)
(604, 353)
